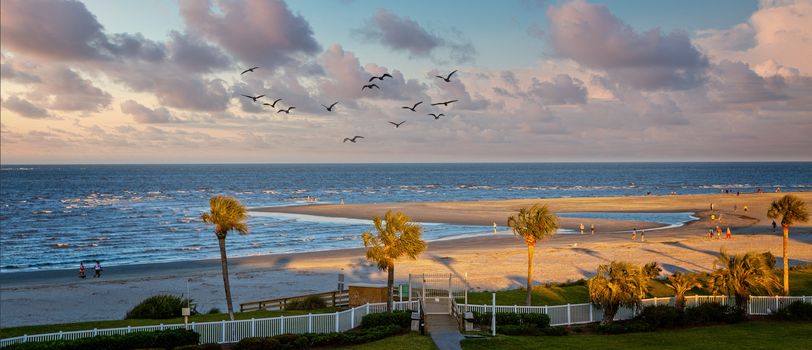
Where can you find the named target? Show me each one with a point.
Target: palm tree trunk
(786, 258)
(390, 283)
(530, 250)
(224, 264)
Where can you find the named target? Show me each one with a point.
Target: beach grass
(79, 326)
(800, 279)
(409, 341)
(748, 335)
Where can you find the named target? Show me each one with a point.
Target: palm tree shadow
(590, 252)
(685, 246)
(447, 261)
(686, 262)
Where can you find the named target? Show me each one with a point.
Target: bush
(353, 337)
(310, 303)
(661, 316)
(207, 346)
(518, 330)
(556, 331)
(512, 319)
(402, 319)
(623, 327)
(713, 313)
(213, 311)
(257, 343)
(796, 311)
(158, 307)
(140, 340)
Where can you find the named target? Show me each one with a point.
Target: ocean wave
(16, 169)
(42, 212)
(59, 245)
(188, 249)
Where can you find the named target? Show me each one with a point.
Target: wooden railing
(331, 299)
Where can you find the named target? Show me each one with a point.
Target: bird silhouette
(436, 116)
(249, 70)
(380, 77)
(255, 98)
(353, 139)
(448, 78)
(446, 103)
(370, 86)
(286, 110)
(397, 125)
(412, 107)
(330, 109)
(274, 103)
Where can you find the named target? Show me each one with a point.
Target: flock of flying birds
(369, 86)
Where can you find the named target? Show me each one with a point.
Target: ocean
(53, 216)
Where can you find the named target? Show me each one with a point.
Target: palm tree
(533, 225)
(652, 270)
(394, 238)
(227, 214)
(681, 283)
(618, 284)
(743, 275)
(792, 210)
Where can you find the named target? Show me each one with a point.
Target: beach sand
(491, 261)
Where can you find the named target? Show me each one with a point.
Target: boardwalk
(441, 326)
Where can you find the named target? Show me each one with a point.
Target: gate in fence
(438, 291)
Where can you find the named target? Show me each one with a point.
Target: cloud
(405, 34)
(561, 90)
(593, 37)
(64, 89)
(25, 108)
(736, 83)
(739, 37)
(193, 54)
(145, 115)
(257, 32)
(10, 71)
(66, 30)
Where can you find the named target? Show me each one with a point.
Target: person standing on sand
(634, 234)
(592, 227)
(82, 270)
(727, 235)
(582, 228)
(494, 228)
(98, 269)
(718, 232)
(642, 235)
(745, 208)
(710, 233)
(773, 226)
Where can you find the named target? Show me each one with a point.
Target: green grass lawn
(408, 341)
(78, 326)
(571, 293)
(747, 335)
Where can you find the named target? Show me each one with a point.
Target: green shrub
(312, 302)
(292, 342)
(661, 316)
(360, 336)
(257, 343)
(622, 327)
(402, 319)
(795, 311)
(512, 319)
(140, 340)
(213, 311)
(158, 307)
(556, 331)
(713, 313)
(518, 330)
(207, 346)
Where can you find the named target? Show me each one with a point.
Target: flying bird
(330, 109)
(370, 86)
(353, 139)
(412, 107)
(380, 77)
(397, 125)
(273, 105)
(446, 103)
(286, 110)
(249, 70)
(255, 98)
(436, 116)
(448, 78)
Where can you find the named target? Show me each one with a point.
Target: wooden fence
(331, 299)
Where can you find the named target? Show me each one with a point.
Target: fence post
(776, 304)
(162, 326)
(253, 327)
(515, 309)
(338, 321)
(590, 313)
(655, 301)
(129, 328)
(60, 335)
(282, 324)
(545, 310)
(352, 318)
(223, 331)
(493, 316)
(309, 323)
(25, 338)
(569, 316)
(750, 306)
(95, 332)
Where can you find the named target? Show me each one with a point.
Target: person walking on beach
(592, 227)
(718, 232)
(642, 235)
(745, 208)
(82, 270)
(97, 269)
(582, 228)
(634, 234)
(494, 228)
(727, 235)
(710, 233)
(773, 226)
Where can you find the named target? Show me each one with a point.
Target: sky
(159, 81)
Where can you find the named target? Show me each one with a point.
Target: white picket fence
(572, 314)
(234, 331)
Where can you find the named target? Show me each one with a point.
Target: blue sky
(575, 80)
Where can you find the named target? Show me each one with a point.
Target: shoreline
(491, 261)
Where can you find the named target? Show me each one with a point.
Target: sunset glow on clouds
(580, 83)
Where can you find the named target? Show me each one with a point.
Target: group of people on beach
(591, 227)
(97, 269)
(718, 232)
(642, 235)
